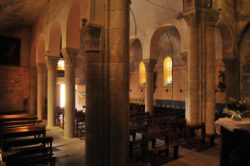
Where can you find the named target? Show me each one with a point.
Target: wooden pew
(19, 123)
(16, 117)
(10, 133)
(136, 143)
(28, 151)
(150, 153)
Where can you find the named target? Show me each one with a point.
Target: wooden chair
(150, 153)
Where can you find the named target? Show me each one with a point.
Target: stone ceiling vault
(17, 13)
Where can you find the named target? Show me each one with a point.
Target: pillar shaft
(40, 89)
(192, 104)
(51, 67)
(69, 55)
(33, 90)
(107, 89)
(211, 19)
(149, 90)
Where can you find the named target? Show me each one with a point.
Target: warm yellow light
(142, 74)
(62, 95)
(167, 70)
(60, 65)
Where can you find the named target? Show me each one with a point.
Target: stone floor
(70, 152)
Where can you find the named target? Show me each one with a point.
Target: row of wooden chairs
(79, 121)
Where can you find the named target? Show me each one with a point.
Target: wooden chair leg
(176, 149)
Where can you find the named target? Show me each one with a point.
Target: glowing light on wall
(60, 65)
(167, 70)
(62, 95)
(142, 74)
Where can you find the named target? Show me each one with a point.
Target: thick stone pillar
(51, 99)
(107, 87)
(149, 90)
(211, 19)
(192, 102)
(33, 90)
(69, 55)
(40, 89)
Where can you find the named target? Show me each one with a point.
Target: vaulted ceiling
(16, 13)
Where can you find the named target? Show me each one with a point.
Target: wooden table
(235, 141)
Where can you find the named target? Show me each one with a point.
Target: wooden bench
(19, 123)
(16, 117)
(13, 133)
(28, 151)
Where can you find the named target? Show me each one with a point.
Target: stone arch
(40, 49)
(135, 53)
(227, 38)
(73, 26)
(55, 39)
(166, 40)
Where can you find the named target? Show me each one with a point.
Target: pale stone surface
(192, 104)
(211, 19)
(149, 89)
(40, 89)
(51, 67)
(69, 55)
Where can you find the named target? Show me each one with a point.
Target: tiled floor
(70, 152)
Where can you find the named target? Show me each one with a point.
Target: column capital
(40, 67)
(91, 37)
(149, 64)
(69, 55)
(211, 16)
(51, 61)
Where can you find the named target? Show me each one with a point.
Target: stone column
(69, 55)
(33, 90)
(149, 90)
(40, 89)
(211, 17)
(107, 87)
(192, 102)
(51, 99)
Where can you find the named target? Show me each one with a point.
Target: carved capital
(51, 61)
(69, 55)
(149, 64)
(90, 38)
(211, 16)
(40, 68)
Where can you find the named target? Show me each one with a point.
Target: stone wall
(14, 88)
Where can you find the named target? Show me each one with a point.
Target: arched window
(167, 71)
(142, 74)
